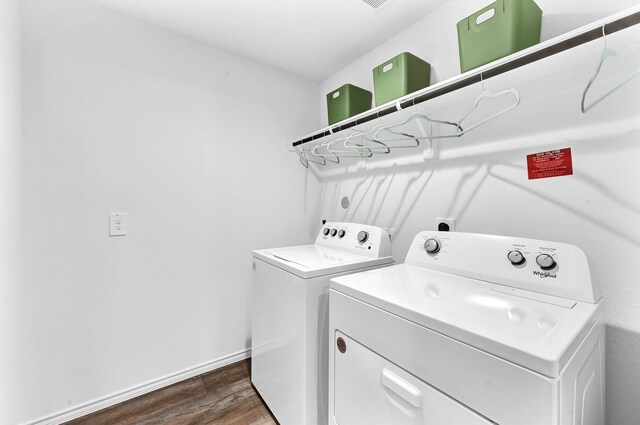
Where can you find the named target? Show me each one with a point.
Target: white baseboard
(138, 390)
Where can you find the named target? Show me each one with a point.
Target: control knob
(363, 236)
(341, 234)
(516, 257)
(431, 246)
(325, 231)
(545, 261)
(333, 232)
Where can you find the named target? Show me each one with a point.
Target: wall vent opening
(376, 4)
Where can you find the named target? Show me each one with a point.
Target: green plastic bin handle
(495, 6)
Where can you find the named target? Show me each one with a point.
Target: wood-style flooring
(224, 396)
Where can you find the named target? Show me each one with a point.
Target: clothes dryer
(470, 330)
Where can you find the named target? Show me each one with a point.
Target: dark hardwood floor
(224, 396)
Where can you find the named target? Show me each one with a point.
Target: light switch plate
(118, 224)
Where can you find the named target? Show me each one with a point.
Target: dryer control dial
(334, 232)
(516, 257)
(545, 261)
(326, 231)
(363, 236)
(341, 233)
(431, 246)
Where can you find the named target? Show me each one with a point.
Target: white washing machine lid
(308, 261)
(534, 330)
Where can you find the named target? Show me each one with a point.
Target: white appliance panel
(370, 241)
(486, 257)
(485, 383)
(536, 331)
(290, 318)
(278, 344)
(310, 261)
(315, 257)
(371, 390)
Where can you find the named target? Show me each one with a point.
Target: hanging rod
(543, 51)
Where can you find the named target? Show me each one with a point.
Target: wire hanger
(300, 154)
(351, 151)
(606, 54)
(325, 156)
(486, 94)
(347, 152)
(375, 146)
(303, 160)
(405, 136)
(307, 159)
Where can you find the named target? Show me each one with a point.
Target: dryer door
(368, 389)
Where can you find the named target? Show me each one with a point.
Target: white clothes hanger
(486, 94)
(299, 153)
(348, 151)
(328, 156)
(606, 54)
(413, 117)
(374, 146)
(307, 159)
(303, 160)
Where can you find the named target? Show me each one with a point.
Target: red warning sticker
(550, 164)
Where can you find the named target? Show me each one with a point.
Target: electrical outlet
(118, 224)
(446, 224)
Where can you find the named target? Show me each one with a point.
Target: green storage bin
(498, 30)
(347, 101)
(400, 76)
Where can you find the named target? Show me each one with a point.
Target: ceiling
(311, 38)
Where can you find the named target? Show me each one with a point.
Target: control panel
(370, 241)
(551, 268)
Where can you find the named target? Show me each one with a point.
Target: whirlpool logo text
(543, 275)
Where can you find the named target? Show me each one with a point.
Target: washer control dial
(363, 236)
(326, 231)
(333, 232)
(545, 261)
(516, 257)
(341, 233)
(431, 246)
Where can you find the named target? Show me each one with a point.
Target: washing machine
(290, 335)
(470, 330)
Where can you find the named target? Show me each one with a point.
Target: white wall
(120, 116)
(10, 109)
(481, 179)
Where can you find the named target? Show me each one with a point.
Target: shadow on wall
(392, 196)
(372, 193)
(622, 376)
(590, 182)
(557, 23)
